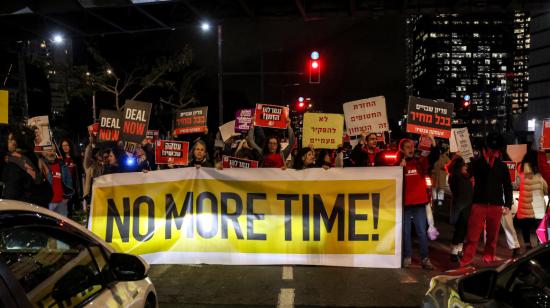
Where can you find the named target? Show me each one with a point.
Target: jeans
(59, 207)
(482, 215)
(418, 214)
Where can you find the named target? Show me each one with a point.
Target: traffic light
(314, 67)
(466, 101)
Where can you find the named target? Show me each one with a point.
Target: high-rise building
(477, 62)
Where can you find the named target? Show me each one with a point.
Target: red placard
(171, 152)
(93, 129)
(425, 143)
(513, 169)
(234, 162)
(191, 121)
(545, 138)
(429, 117)
(272, 116)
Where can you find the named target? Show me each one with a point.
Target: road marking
(287, 273)
(286, 298)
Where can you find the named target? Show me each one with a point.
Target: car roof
(13, 205)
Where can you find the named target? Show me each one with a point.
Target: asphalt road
(304, 286)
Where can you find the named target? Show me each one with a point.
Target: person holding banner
(492, 182)
(115, 159)
(366, 151)
(305, 159)
(416, 198)
(199, 155)
(272, 154)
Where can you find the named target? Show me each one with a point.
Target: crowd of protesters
(479, 191)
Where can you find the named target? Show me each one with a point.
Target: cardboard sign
(516, 151)
(152, 136)
(228, 130)
(110, 125)
(171, 152)
(323, 130)
(93, 130)
(429, 117)
(191, 121)
(234, 162)
(545, 137)
(136, 121)
(513, 169)
(41, 127)
(243, 120)
(424, 143)
(460, 142)
(4, 106)
(272, 116)
(366, 115)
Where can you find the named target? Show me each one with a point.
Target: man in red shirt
(59, 177)
(365, 152)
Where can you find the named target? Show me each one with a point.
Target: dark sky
(361, 58)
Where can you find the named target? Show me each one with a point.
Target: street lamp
(57, 38)
(205, 26)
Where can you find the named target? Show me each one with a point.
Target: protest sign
(4, 106)
(425, 143)
(243, 120)
(513, 169)
(191, 121)
(460, 142)
(152, 136)
(228, 130)
(545, 137)
(272, 116)
(234, 162)
(171, 152)
(429, 117)
(110, 125)
(93, 130)
(41, 127)
(516, 151)
(366, 115)
(336, 217)
(323, 130)
(135, 121)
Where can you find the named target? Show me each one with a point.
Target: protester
(462, 193)
(272, 154)
(24, 174)
(416, 198)
(439, 176)
(116, 158)
(531, 203)
(305, 159)
(365, 153)
(492, 182)
(59, 176)
(143, 164)
(93, 167)
(74, 165)
(199, 155)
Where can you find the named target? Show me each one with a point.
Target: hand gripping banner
(338, 217)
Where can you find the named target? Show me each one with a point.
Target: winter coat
(531, 203)
(439, 172)
(92, 168)
(20, 185)
(66, 179)
(462, 192)
(492, 183)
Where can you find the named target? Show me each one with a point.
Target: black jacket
(462, 190)
(492, 183)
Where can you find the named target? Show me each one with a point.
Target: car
(48, 260)
(523, 282)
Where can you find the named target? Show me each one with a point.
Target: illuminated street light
(109, 71)
(205, 26)
(57, 38)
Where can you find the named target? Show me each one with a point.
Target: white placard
(460, 141)
(368, 115)
(228, 130)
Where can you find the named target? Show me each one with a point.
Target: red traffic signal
(314, 67)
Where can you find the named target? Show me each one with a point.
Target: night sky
(360, 58)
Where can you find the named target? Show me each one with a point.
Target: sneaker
(407, 262)
(426, 264)
(455, 258)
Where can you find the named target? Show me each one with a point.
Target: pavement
(306, 286)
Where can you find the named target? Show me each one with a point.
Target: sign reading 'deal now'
(243, 120)
(109, 125)
(323, 130)
(460, 142)
(366, 115)
(429, 117)
(234, 162)
(136, 121)
(171, 152)
(191, 121)
(272, 116)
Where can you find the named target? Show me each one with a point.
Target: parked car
(47, 260)
(524, 282)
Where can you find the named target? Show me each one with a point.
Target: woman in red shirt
(272, 153)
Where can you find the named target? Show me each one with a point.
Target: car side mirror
(126, 267)
(478, 287)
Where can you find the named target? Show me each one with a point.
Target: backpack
(42, 192)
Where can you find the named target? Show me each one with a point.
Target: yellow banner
(323, 130)
(263, 211)
(3, 107)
